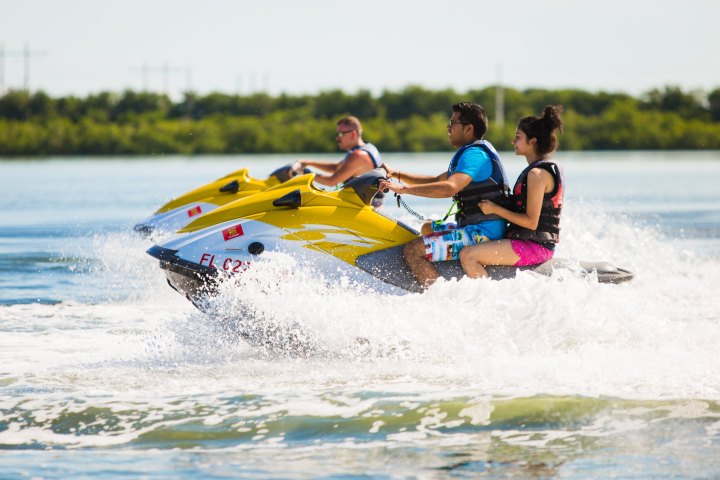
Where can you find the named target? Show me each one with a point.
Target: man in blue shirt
(475, 161)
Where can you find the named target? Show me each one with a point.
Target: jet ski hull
(334, 233)
(195, 281)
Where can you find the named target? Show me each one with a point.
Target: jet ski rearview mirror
(292, 199)
(231, 187)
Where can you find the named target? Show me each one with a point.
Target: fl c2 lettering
(227, 264)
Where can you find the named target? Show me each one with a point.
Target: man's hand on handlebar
(388, 185)
(296, 169)
(390, 172)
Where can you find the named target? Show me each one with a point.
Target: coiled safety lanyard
(412, 212)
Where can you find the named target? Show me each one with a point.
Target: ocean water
(105, 372)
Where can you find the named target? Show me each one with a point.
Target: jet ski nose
(161, 253)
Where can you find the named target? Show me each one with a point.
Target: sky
(79, 47)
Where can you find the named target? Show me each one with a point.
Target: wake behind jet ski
(182, 210)
(336, 232)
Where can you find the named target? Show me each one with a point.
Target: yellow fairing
(338, 223)
(211, 193)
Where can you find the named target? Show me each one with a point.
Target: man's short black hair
(473, 114)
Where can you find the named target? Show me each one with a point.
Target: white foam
(655, 337)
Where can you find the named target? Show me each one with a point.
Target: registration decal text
(227, 264)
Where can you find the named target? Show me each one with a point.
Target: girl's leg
(474, 258)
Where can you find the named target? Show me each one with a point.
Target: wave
(390, 418)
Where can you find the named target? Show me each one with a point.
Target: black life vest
(371, 150)
(548, 229)
(374, 153)
(495, 188)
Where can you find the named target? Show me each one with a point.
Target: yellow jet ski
(334, 232)
(182, 210)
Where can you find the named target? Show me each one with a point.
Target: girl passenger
(535, 203)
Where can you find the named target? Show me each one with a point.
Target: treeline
(412, 119)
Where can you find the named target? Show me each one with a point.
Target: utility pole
(145, 71)
(499, 99)
(165, 70)
(2, 69)
(26, 53)
(188, 79)
(266, 82)
(252, 83)
(257, 82)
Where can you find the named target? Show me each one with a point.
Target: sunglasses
(340, 134)
(453, 122)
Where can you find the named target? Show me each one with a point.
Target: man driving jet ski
(361, 156)
(475, 172)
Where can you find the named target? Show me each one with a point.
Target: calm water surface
(105, 372)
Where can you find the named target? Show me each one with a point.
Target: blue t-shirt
(476, 163)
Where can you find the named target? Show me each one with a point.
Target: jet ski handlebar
(366, 186)
(291, 170)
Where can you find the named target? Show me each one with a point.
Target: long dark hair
(543, 128)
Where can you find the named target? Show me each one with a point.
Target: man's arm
(411, 178)
(320, 165)
(440, 189)
(355, 164)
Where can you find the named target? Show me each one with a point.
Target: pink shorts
(530, 253)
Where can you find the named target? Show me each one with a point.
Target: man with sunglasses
(361, 156)
(475, 172)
